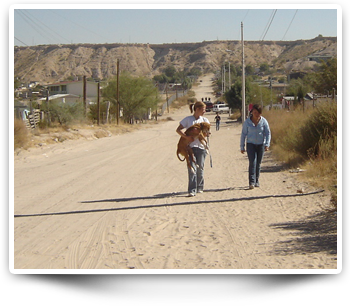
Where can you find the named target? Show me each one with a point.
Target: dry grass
(25, 139)
(308, 140)
(21, 134)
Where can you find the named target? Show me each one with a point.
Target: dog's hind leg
(189, 164)
(192, 157)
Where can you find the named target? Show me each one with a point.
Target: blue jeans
(255, 155)
(217, 125)
(196, 178)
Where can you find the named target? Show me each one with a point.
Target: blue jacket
(258, 135)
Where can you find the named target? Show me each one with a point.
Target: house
(75, 88)
(64, 98)
(320, 57)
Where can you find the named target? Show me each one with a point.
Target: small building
(319, 57)
(75, 88)
(64, 98)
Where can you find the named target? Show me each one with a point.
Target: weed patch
(308, 140)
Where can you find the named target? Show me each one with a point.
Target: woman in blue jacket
(257, 132)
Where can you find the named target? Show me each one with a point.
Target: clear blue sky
(157, 24)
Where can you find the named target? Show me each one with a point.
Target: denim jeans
(196, 178)
(217, 125)
(255, 155)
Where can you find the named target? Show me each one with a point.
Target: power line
(266, 26)
(269, 23)
(32, 24)
(53, 11)
(245, 15)
(290, 24)
(41, 28)
(21, 41)
(52, 30)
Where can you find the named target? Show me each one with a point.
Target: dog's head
(205, 128)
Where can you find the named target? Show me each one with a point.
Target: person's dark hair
(258, 108)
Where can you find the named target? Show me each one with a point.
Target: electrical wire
(269, 23)
(32, 24)
(289, 25)
(79, 25)
(21, 41)
(51, 30)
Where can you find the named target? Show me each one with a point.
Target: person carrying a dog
(195, 178)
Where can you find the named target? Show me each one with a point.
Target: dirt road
(120, 203)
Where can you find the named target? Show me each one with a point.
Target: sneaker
(251, 186)
(257, 184)
(191, 194)
(200, 191)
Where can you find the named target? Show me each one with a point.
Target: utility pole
(48, 107)
(98, 103)
(222, 80)
(84, 94)
(118, 104)
(243, 77)
(229, 75)
(224, 76)
(166, 92)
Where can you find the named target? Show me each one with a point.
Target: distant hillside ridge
(52, 63)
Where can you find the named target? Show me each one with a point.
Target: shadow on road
(166, 195)
(316, 233)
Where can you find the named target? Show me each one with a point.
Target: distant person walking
(217, 121)
(257, 132)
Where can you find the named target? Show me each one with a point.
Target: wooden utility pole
(118, 104)
(84, 95)
(243, 77)
(107, 111)
(48, 108)
(166, 92)
(98, 103)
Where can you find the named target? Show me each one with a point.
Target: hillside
(51, 63)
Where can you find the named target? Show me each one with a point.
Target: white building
(75, 88)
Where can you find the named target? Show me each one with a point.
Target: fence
(172, 99)
(32, 119)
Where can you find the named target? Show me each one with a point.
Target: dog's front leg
(203, 140)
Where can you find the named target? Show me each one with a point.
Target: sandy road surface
(121, 203)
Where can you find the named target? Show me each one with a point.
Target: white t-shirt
(189, 121)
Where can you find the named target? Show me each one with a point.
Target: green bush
(65, 113)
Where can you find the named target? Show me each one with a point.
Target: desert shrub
(65, 113)
(318, 133)
(20, 134)
(309, 140)
(298, 136)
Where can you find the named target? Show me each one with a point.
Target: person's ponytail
(194, 106)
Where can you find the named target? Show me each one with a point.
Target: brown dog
(198, 130)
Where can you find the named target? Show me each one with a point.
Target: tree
(161, 78)
(264, 67)
(253, 93)
(298, 88)
(249, 70)
(326, 78)
(136, 96)
(234, 95)
(170, 72)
